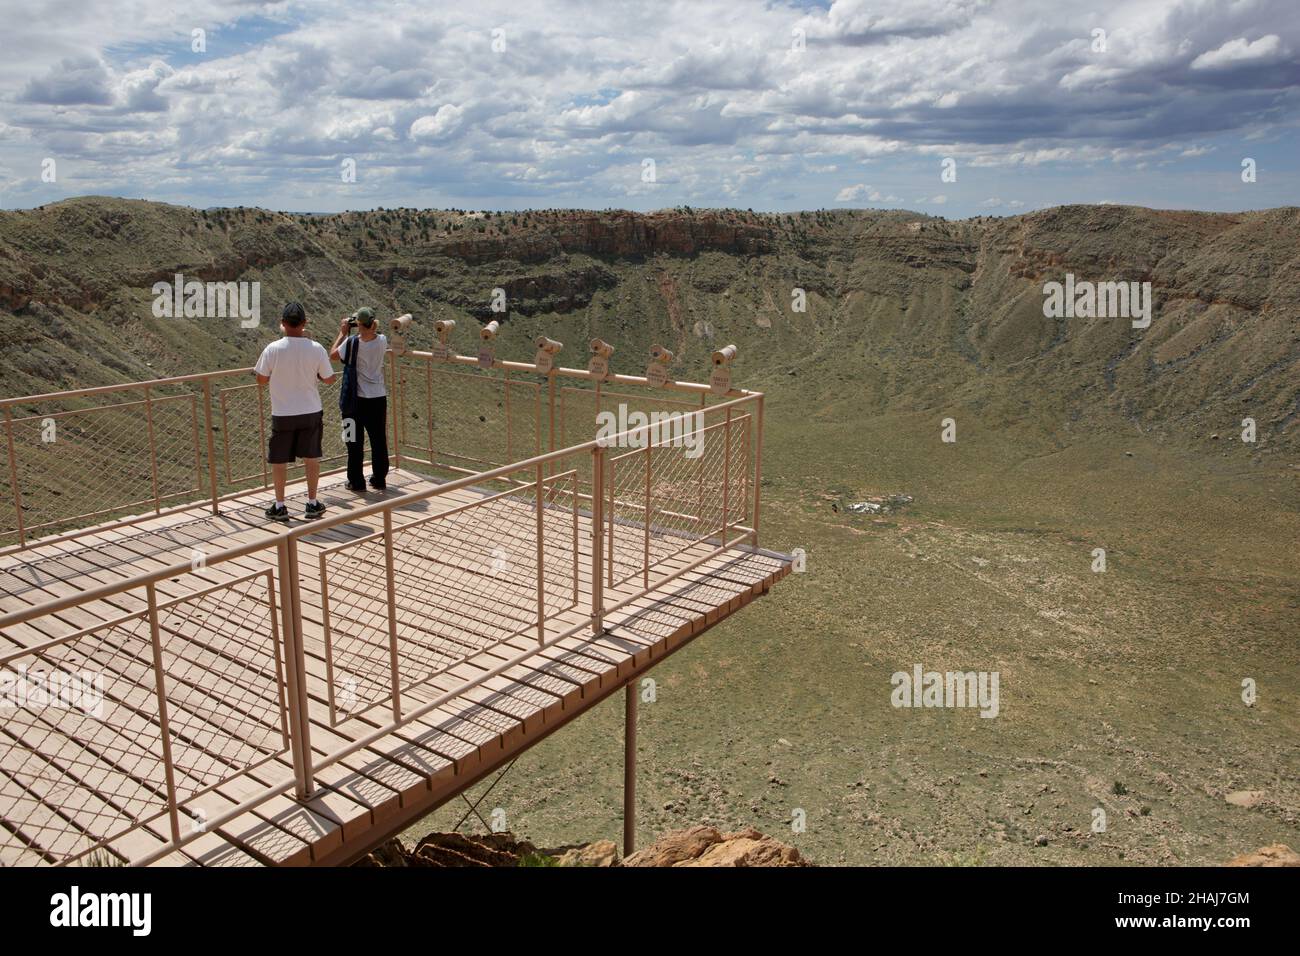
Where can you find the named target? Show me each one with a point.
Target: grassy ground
(1119, 690)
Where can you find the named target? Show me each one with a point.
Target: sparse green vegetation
(1071, 435)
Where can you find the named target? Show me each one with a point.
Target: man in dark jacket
(372, 398)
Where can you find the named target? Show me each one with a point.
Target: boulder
(707, 846)
(600, 853)
(1245, 798)
(1279, 854)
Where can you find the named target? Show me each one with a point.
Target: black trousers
(371, 417)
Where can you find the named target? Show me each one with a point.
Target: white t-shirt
(293, 364)
(370, 365)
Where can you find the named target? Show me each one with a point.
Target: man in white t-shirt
(293, 366)
(371, 417)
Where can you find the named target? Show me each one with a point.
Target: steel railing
(210, 670)
(75, 457)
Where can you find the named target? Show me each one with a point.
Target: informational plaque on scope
(656, 374)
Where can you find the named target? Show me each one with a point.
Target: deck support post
(390, 576)
(395, 450)
(758, 469)
(295, 669)
(153, 450)
(164, 729)
(541, 558)
(629, 768)
(550, 402)
(597, 540)
(13, 478)
(212, 448)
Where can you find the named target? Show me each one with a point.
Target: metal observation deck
(183, 682)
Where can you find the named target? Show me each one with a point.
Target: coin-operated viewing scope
(656, 372)
(489, 331)
(598, 367)
(397, 329)
(720, 380)
(547, 349)
(443, 329)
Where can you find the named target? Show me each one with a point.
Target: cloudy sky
(764, 105)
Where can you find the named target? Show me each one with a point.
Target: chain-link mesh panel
(243, 426)
(414, 423)
(178, 448)
(80, 742)
(528, 426)
(9, 511)
(576, 415)
(463, 580)
(741, 470)
(469, 420)
(465, 419)
(669, 492)
(131, 450)
(583, 412)
(225, 687)
(82, 759)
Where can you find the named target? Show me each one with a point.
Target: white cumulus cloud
(439, 125)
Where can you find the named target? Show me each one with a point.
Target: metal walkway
(198, 686)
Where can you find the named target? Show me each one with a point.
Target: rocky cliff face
(695, 847)
(913, 307)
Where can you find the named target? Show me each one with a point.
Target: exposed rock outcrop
(698, 846)
(708, 846)
(1279, 854)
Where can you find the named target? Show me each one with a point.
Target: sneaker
(378, 484)
(277, 512)
(315, 510)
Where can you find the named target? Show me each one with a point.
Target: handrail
(124, 386)
(697, 388)
(330, 521)
(484, 476)
(280, 545)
